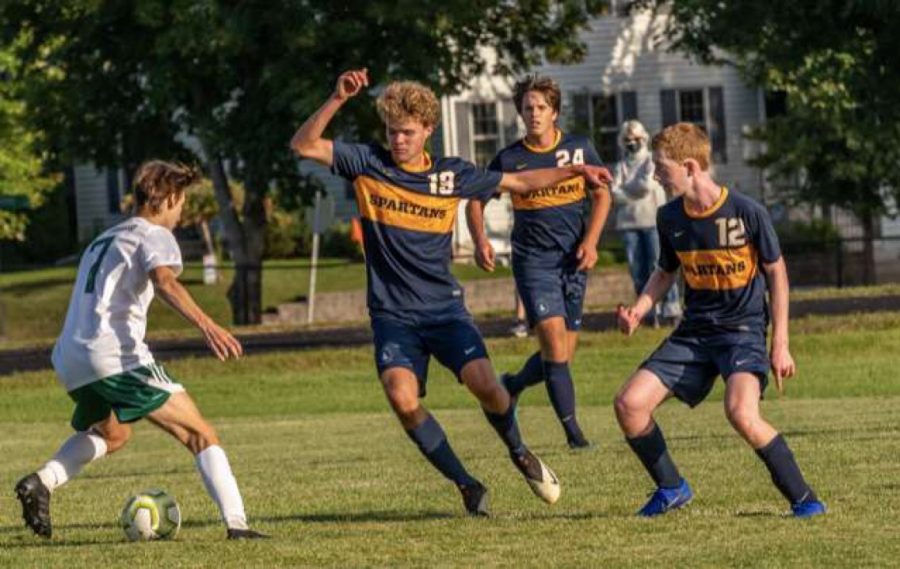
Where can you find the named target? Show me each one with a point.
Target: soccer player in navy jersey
(553, 247)
(727, 250)
(408, 203)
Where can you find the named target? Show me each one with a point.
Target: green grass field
(325, 468)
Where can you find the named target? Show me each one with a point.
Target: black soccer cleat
(475, 499)
(235, 533)
(542, 481)
(35, 499)
(580, 444)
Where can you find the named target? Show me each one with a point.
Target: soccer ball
(152, 514)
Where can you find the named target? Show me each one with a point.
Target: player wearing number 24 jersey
(104, 364)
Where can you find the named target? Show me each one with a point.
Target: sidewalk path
(39, 358)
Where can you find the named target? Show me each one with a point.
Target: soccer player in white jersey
(105, 366)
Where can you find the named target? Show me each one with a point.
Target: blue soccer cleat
(665, 499)
(808, 509)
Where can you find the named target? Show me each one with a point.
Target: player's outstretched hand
(350, 83)
(628, 318)
(484, 256)
(586, 255)
(596, 176)
(783, 365)
(221, 342)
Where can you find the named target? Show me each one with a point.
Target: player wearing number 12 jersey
(727, 250)
(408, 203)
(105, 366)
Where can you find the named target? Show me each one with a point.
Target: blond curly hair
(403, 100)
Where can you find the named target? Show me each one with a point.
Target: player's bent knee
(743, 420)
(116, 438)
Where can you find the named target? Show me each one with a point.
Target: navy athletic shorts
(548, 291)
(689, 365)
(453, 343)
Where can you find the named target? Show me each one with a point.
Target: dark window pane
(669, 107)
(580, 123)
(629, 105)
(717, 125)
(113, 195)
(692, 106)
(485, 119)
(605, 114)
(485, 150)
(608, 146)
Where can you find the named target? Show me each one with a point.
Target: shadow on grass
(25, 288)
(379, 516)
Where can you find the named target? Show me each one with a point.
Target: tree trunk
(240, 293)
(868, 227)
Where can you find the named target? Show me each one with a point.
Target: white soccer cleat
(542, 481)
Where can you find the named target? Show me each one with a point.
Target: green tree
(24, 182)
(119, 80)
(836, 63)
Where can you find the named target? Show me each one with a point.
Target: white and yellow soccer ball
(152, 514)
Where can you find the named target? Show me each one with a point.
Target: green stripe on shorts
(126, 394)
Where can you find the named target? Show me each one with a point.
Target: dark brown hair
(156, 180)
(543, 85)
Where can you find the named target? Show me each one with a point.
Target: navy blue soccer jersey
(407, 221)
(549, 222)
(720, 252)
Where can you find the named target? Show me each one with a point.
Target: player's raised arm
(783, 365)
(219, 340)
(530, 180)
(307, 142)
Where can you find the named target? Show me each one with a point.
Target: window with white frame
(703, 106)
(599, 116)
(485, 132)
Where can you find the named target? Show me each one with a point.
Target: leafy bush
(802, 236)
(336, 242)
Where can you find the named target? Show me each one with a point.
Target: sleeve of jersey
(159, 249)
(477, 183)
(496, 165)
(764, 237)
(668, 259)
(350, 160)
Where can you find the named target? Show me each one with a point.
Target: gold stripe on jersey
(707, 212)
(563, 193)
(391, 205)
(718, 269)
(544, 149)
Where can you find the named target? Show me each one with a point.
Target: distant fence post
(314, 261)
(840, 263)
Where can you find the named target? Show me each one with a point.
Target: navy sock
(507, 427)
(431, 440)
(651, 449)
(786, 475)
(531, 373)
(562, 397)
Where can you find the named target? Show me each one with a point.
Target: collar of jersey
(544, 148)
(711, 210)
(425, 168)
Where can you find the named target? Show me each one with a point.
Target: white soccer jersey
(107, 318)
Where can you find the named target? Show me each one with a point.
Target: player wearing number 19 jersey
(408, 203)
(104, 364)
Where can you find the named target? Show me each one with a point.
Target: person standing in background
(637, 196)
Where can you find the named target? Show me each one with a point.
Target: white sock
(81, 449)
(222, 486)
